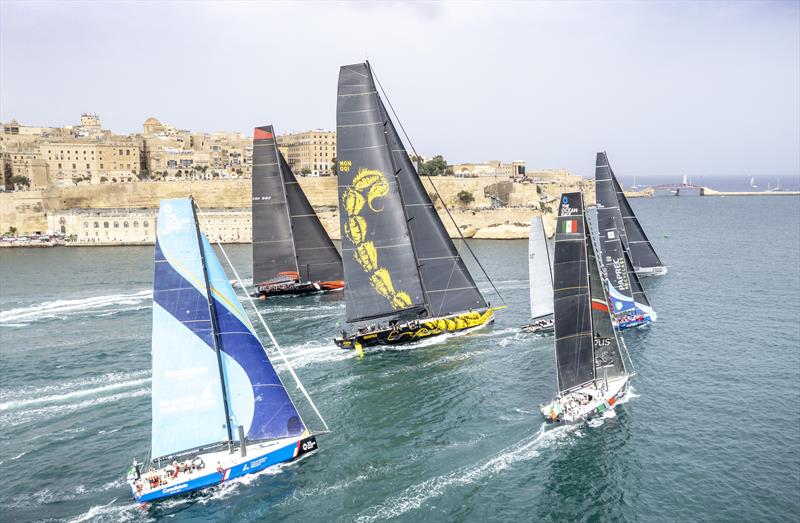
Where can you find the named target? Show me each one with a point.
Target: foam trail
(60, 308)
(416, 495)
(72, 395)
(111, 378)
(19, 417)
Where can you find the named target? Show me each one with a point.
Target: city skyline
(699, 88)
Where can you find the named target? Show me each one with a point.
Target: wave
(416, 495)
(57, 398)
(62, 308)
(67, 387)
(19, 417)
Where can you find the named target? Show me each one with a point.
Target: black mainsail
(572, 298)
(397, 254)
(379, 264)
(287, 234)
(635, 241)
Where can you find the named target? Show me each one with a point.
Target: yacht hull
(260, 457)
(409, 332)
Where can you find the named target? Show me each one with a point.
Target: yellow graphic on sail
(369, 185)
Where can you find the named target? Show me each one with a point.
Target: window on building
(146, 224)
(116, 225)
(96, 225)
(135, 225)
(73, 166)
(59, 166)
(101, 166)
(105, 225)
(87, 165)
(85, 225)
(125, 224)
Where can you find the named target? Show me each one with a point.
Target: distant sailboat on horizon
(753, 183)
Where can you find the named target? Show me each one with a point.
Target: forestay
(377, 254)
(572, 300)
(540, 270)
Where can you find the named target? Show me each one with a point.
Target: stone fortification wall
(27, 211)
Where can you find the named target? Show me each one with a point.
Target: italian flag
(570, 226)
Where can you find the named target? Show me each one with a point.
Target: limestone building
(138, 226)
(309, 152)
(489, 168)
(93, 161)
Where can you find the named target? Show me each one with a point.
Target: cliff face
(27, 210)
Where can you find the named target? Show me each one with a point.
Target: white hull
(651, 271)
(586, 402)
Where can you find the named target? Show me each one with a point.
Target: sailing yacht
(400, 264)
(609, 195)
(540, 269)
(753, 183)
(777, 188)
(591, 373)
(219, 409)
(292, 253)
(627, 299)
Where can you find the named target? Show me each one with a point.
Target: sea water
(449, 431)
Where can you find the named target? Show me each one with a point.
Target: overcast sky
(666, 88)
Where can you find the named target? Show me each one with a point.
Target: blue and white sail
(190, 380)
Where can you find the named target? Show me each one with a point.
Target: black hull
(295, 289)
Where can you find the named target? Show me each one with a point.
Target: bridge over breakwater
(676, 189)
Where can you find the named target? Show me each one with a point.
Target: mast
(214, 326)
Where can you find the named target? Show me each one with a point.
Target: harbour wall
(28, 211)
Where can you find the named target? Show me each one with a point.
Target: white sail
(540, 267)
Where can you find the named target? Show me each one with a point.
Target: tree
(103, 179)
(334, 168)
(305, 171)
(465, 197)
(19, 181)
(436, 166)
(12, 231)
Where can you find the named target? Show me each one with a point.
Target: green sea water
(446, 431)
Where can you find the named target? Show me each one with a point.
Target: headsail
(572, 299)
(608, 360)
(540, 270)
(317, 257)
(639, 247)
(448, 286)
(190, 379)
(614, 258)
(273, 244)
(381, 272)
